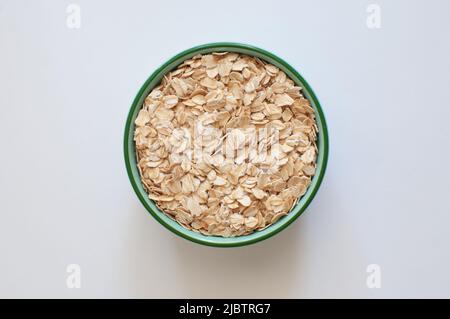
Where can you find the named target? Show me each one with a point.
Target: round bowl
(130, 157)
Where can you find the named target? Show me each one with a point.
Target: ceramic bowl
(130, 157)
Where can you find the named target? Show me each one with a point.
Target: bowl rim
(173, 226)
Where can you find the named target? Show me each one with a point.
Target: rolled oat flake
(226, 144)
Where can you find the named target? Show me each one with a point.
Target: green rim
(133, 173)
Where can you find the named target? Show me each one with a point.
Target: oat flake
(219, 195)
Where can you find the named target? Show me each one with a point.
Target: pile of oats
(226, 144)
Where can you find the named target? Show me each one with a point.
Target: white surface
(65, 196)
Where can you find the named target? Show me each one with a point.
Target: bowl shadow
(268, 269)
(173, 267)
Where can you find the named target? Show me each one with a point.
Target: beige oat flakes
(226, 144)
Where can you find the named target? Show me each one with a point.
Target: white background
(65, 196)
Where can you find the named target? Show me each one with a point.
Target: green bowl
(130, 158)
